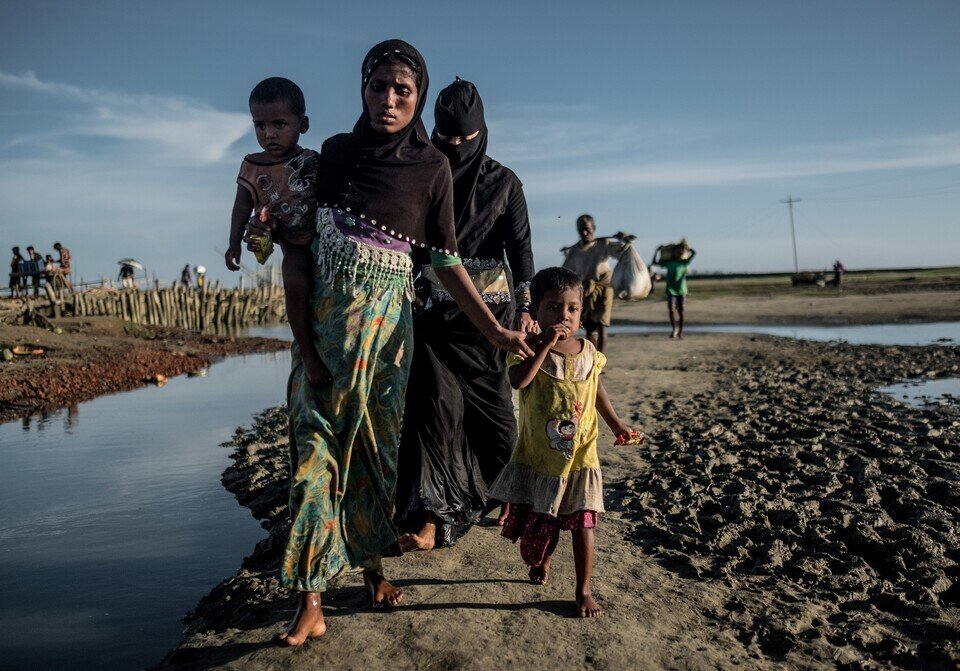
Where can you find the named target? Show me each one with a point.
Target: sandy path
(472, 607)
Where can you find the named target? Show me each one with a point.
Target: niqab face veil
(458, 113)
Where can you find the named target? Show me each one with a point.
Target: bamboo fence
(210, 309)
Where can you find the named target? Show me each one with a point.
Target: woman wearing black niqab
(386, 197)
(459, 424)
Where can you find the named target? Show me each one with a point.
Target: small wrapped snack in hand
(630, 438)
(265, 241)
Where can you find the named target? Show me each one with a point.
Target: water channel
(112, 519)
(113, 522)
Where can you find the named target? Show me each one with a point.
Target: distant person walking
(838, 271)
(61, 275)
(35, 268)
(64, 260)
(185, 277)
(676, 266)
(588, 259)
(16, 280)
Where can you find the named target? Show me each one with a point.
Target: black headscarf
(459, 112)
(399, 180)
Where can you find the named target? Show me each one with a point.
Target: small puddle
(943, 391)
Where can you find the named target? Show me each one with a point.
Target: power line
(931, 191)
(913, 174)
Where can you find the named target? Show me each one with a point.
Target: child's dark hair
(553, 279)
(279, 89)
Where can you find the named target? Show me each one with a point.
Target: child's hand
(627, 436)
(258, 228)
(553, 334)
(232, 257)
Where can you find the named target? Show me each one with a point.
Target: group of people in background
(34, 267)
(589, 260)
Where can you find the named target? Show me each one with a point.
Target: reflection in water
(125, 514)
(278, 331)
(70, 419)
(223, 330)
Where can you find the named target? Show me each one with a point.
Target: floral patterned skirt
(539, 533)
(344, 436)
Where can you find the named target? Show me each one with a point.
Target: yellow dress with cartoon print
(554, 467)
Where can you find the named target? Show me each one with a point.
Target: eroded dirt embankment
(101, 355)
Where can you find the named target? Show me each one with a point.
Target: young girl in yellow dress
(553, 480)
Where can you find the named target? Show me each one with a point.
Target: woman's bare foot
(587, 606)
(426, 539)
(539, 575)
(307, 623)
(504, 513)
(382, 593)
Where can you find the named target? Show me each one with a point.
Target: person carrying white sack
(588, 259)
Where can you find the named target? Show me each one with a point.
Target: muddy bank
(784, 514)
(101, 355)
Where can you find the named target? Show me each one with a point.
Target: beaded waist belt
(489, 278)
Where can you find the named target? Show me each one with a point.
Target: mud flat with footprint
(831, 511)
(784, 515)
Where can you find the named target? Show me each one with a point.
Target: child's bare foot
(539, 575)
(382, 593)
(308, 622)
(314, 368)
(673, 335)
(426, 539)
(587, 606)
(504, 513)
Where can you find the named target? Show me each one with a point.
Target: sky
(124, 123)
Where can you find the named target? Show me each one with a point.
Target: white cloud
(927, 151)
(176, 129)
(529, 133)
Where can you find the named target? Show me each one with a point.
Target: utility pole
(793, 233)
